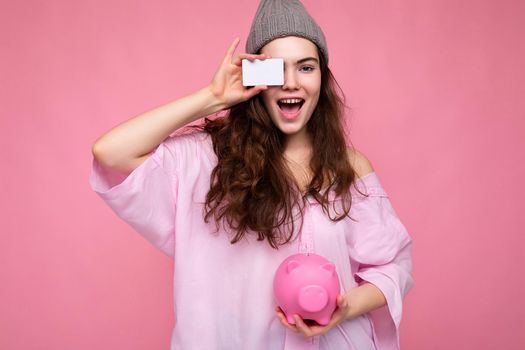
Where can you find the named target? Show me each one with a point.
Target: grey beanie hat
(280, 18)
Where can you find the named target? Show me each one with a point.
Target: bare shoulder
(359, 162)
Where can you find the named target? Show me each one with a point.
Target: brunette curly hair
(252, 188)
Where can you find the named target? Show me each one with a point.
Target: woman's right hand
(226, 84)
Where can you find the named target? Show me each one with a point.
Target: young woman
(232, 199)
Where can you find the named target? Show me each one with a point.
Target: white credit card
(263, 72)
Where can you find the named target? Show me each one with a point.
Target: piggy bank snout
(313, 298)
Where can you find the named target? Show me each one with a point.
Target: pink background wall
(437, 94)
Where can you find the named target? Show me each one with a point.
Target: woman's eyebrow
(302, 60)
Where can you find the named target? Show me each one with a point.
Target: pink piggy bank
(307, 285)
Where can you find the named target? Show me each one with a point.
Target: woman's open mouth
(290, 107)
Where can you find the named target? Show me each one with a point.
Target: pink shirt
(222, 292)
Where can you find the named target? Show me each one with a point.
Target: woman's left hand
(340, 314)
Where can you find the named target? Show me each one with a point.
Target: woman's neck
(298, 146)
(297, 155)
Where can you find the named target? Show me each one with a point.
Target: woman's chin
(290, 130)
(287, 126)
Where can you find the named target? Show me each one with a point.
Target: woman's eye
(307, 68)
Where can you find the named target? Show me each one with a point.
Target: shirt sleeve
(380, 247)
(146, 198)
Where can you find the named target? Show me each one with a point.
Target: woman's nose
(290, 80)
